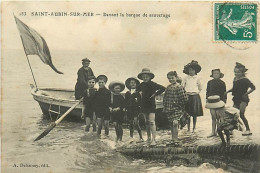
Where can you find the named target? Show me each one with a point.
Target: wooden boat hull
(55, 102)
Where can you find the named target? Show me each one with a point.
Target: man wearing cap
(82, 82)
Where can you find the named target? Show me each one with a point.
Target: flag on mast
(34, 44)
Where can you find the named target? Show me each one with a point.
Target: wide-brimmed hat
(114, 83)
(214, 102)
(194, 65)
(85, 59)
(221, 75)
(127, 82)
(241, 67)
(104, 77)
(145, 71)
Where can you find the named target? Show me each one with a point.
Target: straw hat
(221, 74)
(114, 83)
(127, 82)
(214, 102)
(145, 71)
(85, 59)
(194, 65)
(104, 77)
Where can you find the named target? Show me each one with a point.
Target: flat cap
(86, 59)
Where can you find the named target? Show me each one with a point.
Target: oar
(57, 121)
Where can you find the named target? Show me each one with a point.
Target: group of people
(181, 101)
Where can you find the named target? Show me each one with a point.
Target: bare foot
(211, 135)
(153, 143)
(141, 140)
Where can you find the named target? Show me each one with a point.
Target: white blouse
(192, 85)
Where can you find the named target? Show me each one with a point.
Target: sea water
(67, 148)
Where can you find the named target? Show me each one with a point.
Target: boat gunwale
(33, 92)
(56, 89)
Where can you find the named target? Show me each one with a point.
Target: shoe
(246, 133)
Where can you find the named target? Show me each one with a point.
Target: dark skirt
(194, 106)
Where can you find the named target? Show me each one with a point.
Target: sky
(190, 27)
(171, 42)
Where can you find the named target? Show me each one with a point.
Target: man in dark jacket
(82, 82)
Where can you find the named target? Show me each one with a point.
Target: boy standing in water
(216, 87)
(88, 109)
(174, 102)
(133, 105)
(117, 107)
(101, 104)
(192, 86)
(240, 93)
(149, 90)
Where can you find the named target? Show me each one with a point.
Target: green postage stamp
(235, 21)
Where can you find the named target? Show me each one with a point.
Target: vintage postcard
(110, 86)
